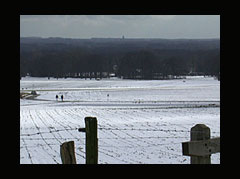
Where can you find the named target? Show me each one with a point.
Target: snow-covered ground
(138, 121)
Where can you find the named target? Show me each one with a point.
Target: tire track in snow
(27, 150)
(47, 144)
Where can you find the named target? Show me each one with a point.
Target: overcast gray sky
(115, 26)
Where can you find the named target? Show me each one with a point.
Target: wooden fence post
(200, 132)
(91, 140)
(68, 153)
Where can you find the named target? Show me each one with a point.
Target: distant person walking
(62, 97)
(56, 97)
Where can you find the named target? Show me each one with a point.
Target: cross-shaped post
(201, 146)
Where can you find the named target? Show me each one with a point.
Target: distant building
(112, 74)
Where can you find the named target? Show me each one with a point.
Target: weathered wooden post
(200, 132)
(201, 146)
(91, 140)
(68, 153)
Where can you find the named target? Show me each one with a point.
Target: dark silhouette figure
(62, 97)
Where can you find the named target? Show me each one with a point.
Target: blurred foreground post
(68, 153)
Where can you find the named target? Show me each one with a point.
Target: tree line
(133, 59)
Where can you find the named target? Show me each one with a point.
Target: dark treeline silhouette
(126, 58)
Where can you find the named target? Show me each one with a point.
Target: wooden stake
(67, 153)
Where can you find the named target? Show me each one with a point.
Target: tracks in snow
(125, 136)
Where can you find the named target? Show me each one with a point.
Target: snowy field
(139, 122)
